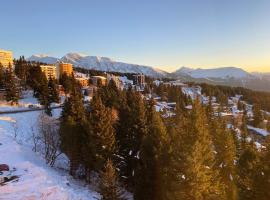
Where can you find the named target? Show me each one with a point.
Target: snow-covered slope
(43, 58)
(101, 63)
(222, 72)
(36, 179)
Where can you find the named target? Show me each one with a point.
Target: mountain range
(100, 63)
(230, 76)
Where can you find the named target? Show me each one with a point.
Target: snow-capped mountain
(43, 58)
(100, 63)
(222, 72)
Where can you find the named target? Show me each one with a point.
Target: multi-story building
(49, 71)
(83, 81)
(139, 80)
(65, 68)
(6, 58)
(98, 80)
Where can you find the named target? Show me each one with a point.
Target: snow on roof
(100, 77)
(258, 130)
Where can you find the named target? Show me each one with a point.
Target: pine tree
(149, 176)
(44, 96)
(53, 92)
(130, 131)
(12, 94)
(101, 135)
(247, 170)
(110, 95)
(109, 185)
(244, 135)
(21, 69)
(226, 156)
(2, 76)
(200, 178)
(258, 117)
(262, 180)
(72, 129)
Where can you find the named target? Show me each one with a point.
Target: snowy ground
(37, 181)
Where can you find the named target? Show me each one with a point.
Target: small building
(49, 71)
(83, 81)
(89, 90)
(115, 79)
(98, 80)
(6, 58)
(65, 68)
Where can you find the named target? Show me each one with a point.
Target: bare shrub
(49, 141)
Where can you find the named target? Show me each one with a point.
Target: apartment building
(49, 71)
(6, 58)
(98, 80)
(65, 68)
(139, 80)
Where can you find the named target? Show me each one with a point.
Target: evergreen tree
(247, 170)
(130, 131)
(244, 135)
(258, 117)
(67, 82)
(226, 156)
(72, 132)
(12, 93)
(200, 178)
(110, 95)
(149, 176)
(101, 136)
(2, 76)
(53, 92)
(109, 185)
(21, 69)
(262, 181)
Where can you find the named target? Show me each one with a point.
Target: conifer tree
(72, 132)
(200, 178)
(149, 176)
(110, 95)
(262, 181)
(12, 94)
(130, 131)
(109, 185)
(226, 156)
(101, 135)
(53, 92)
(244, 135)
(2, 76)
(258, 117)
(247, 170)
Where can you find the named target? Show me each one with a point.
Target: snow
(100, 63)
(258, 130)
(221, 72)
(23, 103)
(36, 179)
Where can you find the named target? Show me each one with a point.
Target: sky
(166, 34)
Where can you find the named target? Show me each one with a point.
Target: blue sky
(163, 33)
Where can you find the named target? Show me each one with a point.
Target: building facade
(49, 71)
(115, 79)
(65, 68)
(84, 82)
(6, 58)
(98, 80)
(139, 80)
